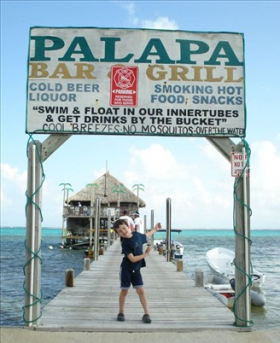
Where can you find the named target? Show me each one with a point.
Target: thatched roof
(109, 190)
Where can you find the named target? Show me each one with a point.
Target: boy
(133, 261)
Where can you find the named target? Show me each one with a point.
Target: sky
(187, 170)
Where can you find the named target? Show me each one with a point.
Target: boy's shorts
(128, 277)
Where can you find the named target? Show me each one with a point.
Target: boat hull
(224, 292)
(221, 263)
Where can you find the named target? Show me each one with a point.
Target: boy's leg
(142, 296)
(125, 284)
(122, 299)
(138, 285)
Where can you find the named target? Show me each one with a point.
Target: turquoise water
(264, 255)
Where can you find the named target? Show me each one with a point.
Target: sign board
(238, 164)
(124, 88)
(135, 81)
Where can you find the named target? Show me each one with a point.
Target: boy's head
(118, 223)
(121, 228)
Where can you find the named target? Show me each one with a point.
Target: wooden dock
(175, 303)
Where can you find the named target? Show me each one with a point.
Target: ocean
(265, 257)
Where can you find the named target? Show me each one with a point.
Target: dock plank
(175, 303)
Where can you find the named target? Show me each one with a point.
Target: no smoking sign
(124, 86)
(238, 164)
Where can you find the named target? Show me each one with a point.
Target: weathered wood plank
(174, 301)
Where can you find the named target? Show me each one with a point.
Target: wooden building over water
(80, 211)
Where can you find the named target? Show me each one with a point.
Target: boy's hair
(118, 223)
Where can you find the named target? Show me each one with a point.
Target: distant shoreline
(185, 229)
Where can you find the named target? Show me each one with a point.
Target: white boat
(221, 262)
(177, 248)
(222, 283)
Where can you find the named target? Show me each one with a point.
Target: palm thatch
(110, 191)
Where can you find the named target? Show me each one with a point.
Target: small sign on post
(238, 163)
(124, 86)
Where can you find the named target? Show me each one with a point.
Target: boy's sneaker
(120, 317)
(147, 319)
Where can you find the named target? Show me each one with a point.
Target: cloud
(160, 23)
(193, 190)
(13, 198)
(265, 184)
(13, 187)
(217, 161)
(12, 173)
(202, 189)
(157, 163)
(13, 182)
(131, 10)
(131, 177)
(266, 162)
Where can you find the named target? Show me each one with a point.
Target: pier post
(109, 229)
(37, 154)
(86, 263)
(242, 305)
(180, 266)
(168, 229)
(145, 223)
(97, 228)
(152, 226)
(199, 278)
(32, 268)
(69, 278)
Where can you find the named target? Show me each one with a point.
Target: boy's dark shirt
(133, 245)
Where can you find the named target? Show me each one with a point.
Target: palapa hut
(112, 194)
(80, 208)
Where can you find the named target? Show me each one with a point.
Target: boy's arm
(154, 230)
(138, 258)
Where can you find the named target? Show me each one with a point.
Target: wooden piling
(32, 269)
(86, 263)
(179, 265)
(243, 302)
(69, 278)
(199, 278)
